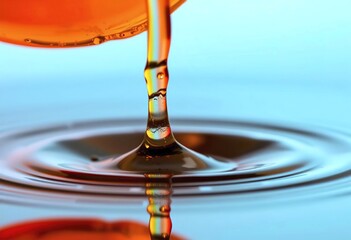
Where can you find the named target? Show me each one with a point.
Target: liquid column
(159, 151)
(158, 133)
(158, 189)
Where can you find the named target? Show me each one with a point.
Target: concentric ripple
(57, 162)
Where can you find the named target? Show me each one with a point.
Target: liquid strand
(158, 189)
(158, 133)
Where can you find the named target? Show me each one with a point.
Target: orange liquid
(75, 229)
(67, 23)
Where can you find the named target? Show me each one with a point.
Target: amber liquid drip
(158, 133)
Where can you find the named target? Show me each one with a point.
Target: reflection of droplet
(68, 229)
(160, 75)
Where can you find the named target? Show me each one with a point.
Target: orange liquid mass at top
(68, 23)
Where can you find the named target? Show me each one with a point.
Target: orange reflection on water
(76, 229)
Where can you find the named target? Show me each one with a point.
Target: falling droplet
(27, 40)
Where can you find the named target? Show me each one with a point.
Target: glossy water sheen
(60, 161)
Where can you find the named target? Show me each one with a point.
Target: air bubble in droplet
(160, 75)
